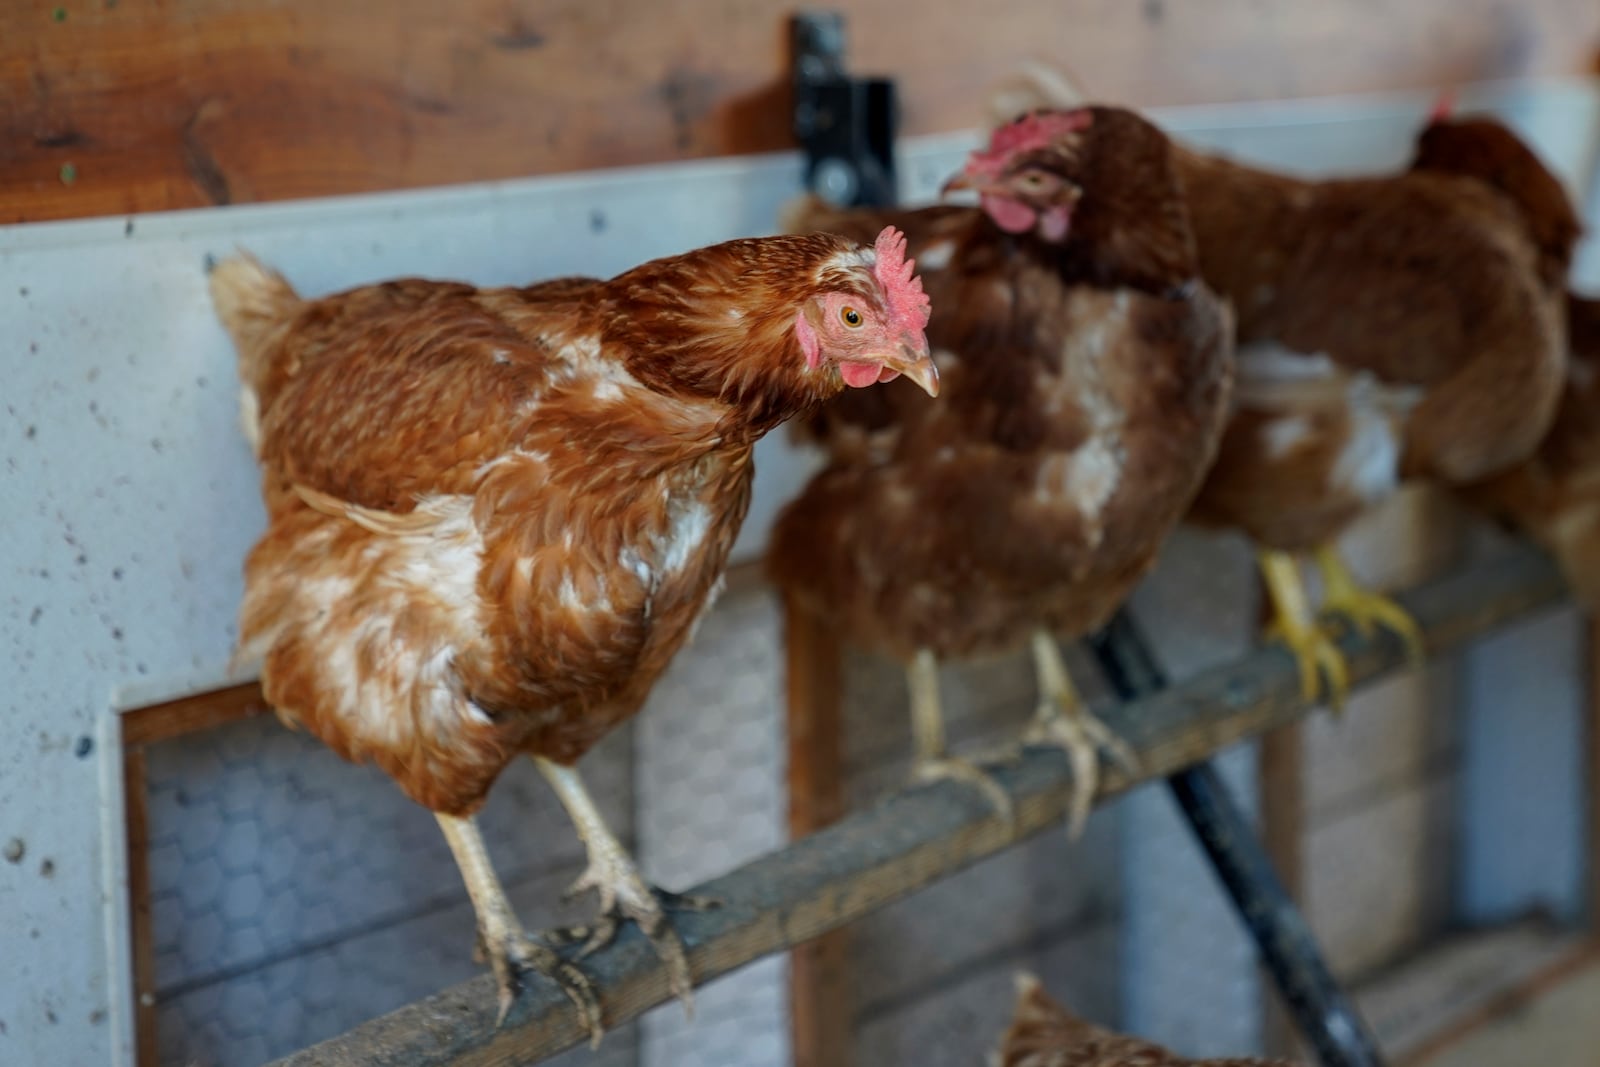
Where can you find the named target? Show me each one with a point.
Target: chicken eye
(851, 317)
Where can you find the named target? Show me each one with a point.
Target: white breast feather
(1088, 476)
(936, 256)
(438, 566)
(1285, 435)
(1369, 463)
(1269, 361)
(685, 534)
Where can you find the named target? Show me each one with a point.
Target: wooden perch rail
(916, 837)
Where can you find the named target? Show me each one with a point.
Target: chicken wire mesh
(1191, 981)
(930, 976)
(711, 756)
(294, 896)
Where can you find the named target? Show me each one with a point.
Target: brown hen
(1086, 376)
(1044, 1034)
(1390, 328)
(495, 514)
(1554, 495)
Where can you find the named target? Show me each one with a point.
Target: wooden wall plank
(186, 715)
(114, 106)
(136, 809)
(820, 1012)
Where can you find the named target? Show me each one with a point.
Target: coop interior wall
(130, 500)
(294, 896)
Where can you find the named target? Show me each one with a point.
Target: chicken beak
(959, 182)
(918, 365)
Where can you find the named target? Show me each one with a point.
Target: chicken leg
(1293, 624)
(1343, 595)
(1064, 721)
(500, 936)
(623, 893)
(932, 763)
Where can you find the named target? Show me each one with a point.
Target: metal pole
(1290, 951)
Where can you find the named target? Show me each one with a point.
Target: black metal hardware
(1287, 946)
(845, 125)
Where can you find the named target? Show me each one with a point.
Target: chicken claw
(512, 953)
(596, 935)
(1364, 608)
(955, 769)
(624, 895)
(1064, 721)
(1315, 655)
(931, 763)
(501, 941)
(1314, 651)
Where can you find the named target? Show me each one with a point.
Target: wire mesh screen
(294, 896)
(931, 976)
(711, 758)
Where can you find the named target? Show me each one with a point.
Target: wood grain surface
(118, 106)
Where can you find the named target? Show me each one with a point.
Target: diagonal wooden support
(916, 837)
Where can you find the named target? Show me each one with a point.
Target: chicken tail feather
(252, 300)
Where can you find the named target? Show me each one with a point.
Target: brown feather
(1554, 495)
(1044, 1034)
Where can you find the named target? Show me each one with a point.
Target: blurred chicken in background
(1554, 495)
(1396, 328)
(1086, 376)
(1044, 1034)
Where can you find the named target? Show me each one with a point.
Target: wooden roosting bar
(914, 838)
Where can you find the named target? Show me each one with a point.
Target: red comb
(909, 306)
(1443, 107)
(1038, 129)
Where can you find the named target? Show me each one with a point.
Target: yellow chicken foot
(623, 893)
(1294, 626)
(1343, 595)
(1064, 721)
(932, 763)
(501, 940)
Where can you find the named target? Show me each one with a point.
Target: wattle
(861, 375)
(1012, 216)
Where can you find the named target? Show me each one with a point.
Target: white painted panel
(127, 499)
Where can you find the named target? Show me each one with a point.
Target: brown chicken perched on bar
(1086, 378)
(1554, 495)
(495, 514)
(1396, 328)
(1044, 1034)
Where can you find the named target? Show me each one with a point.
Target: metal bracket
(845, 125)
